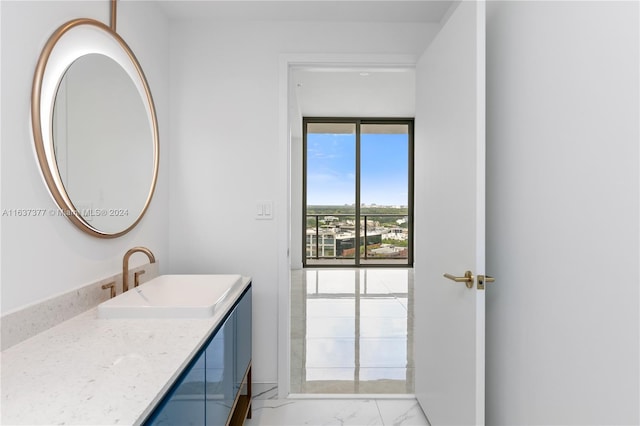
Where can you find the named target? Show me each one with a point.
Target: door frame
(287, 62)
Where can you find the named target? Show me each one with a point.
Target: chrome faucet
(125, 264)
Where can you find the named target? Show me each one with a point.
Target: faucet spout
(125, 264)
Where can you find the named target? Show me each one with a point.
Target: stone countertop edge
(89, 370)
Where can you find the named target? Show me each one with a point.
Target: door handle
(484, 279)
(467, 278)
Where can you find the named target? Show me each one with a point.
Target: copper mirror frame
(46, 80)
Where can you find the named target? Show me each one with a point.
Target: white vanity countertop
(94, 371)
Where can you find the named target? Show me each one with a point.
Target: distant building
(399, 234)
(334, 236)
(331, 244)
(322, 246)
(387, 251)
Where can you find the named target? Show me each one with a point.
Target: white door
(449, 220)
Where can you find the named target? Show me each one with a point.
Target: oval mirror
(95, 128)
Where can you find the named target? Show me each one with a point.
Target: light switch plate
(264, 210)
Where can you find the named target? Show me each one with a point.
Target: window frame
(358, 122)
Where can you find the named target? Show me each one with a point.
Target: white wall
(563, 235)
(224, 97)
(45, 256)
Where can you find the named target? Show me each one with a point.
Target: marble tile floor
(352, 331)
(343, 412)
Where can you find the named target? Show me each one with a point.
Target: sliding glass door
(358, 192)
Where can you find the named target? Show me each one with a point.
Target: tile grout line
(379, 412)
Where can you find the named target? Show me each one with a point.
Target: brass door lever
(467, 278)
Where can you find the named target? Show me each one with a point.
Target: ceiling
(308, 10)
(331, 92)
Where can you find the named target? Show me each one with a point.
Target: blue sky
(331, 169)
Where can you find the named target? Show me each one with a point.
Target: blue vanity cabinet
(243, 337)
(185, 402)
(242, 360)
(228, 374)
(215, 388)
(219, 374)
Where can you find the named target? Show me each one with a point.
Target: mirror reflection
(104, 143)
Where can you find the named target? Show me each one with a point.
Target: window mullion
(357, 224)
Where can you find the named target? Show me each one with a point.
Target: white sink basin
(171, 296)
